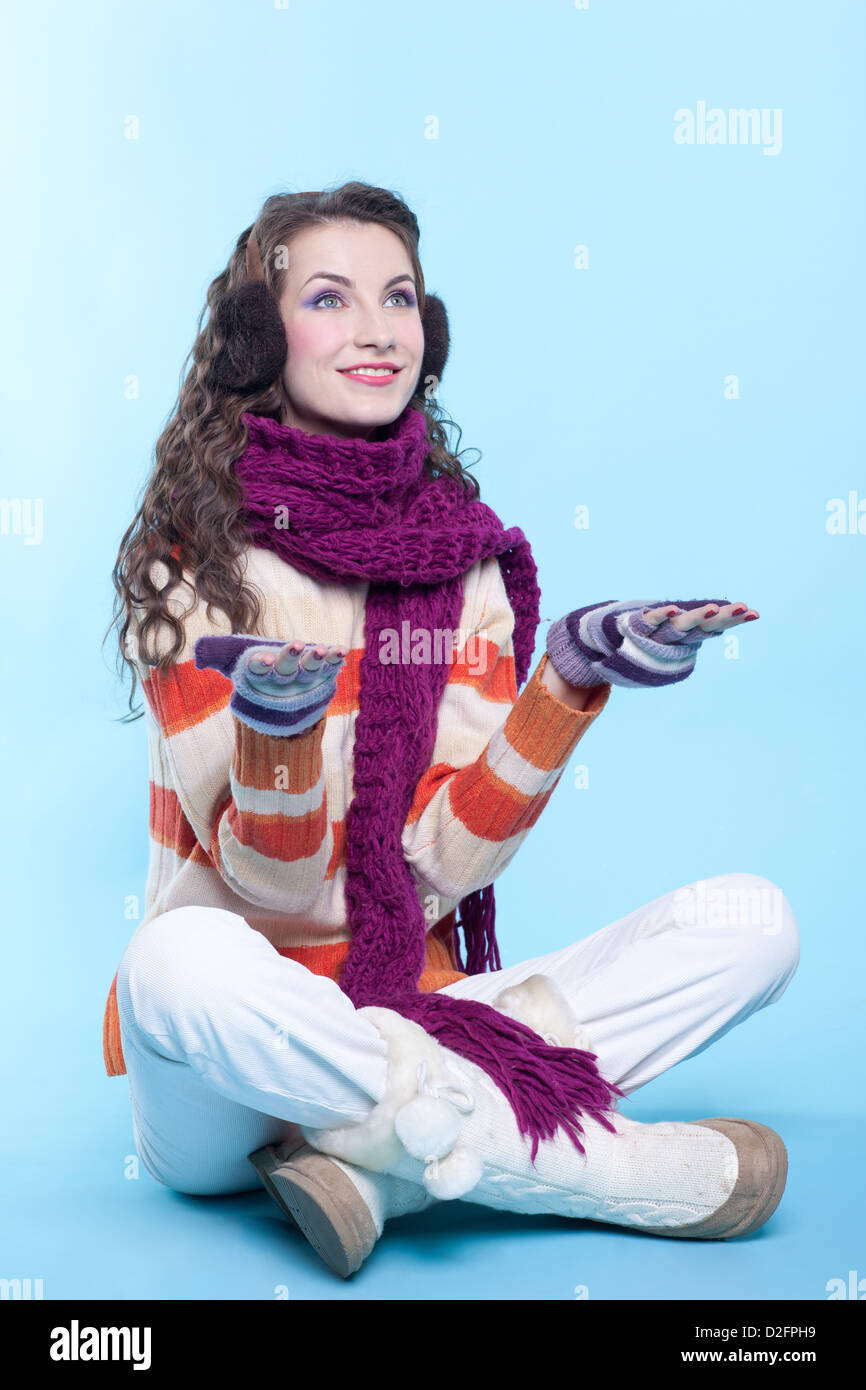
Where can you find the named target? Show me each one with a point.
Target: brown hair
(192, 501)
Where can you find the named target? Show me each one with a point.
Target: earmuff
(254, 348)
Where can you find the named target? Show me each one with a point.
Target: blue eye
(332, 294)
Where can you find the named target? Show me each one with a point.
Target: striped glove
(613, 642)
(270, 703)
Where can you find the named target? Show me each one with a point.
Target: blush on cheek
(300, 340)
(313, 339)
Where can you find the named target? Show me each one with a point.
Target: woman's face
(349, 300)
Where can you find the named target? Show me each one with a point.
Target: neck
(338, 429)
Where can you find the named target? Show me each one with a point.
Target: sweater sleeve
(256, 803)
(497, 757)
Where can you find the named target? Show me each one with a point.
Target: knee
(172, 955)
(199, 1178)
(754, 919)
(204, 1183)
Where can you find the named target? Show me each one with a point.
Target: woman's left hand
(638, 643)
(711, 618)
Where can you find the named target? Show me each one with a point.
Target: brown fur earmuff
(252, 336)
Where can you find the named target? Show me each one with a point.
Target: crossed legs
(230, 1046)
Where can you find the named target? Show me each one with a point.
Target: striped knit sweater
(254, 823)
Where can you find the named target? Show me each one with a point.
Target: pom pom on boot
(428, 1128)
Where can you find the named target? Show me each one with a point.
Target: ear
(252, 335)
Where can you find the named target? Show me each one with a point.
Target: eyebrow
(343, 280)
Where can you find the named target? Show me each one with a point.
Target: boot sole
(326, 1206)
(763, 1172)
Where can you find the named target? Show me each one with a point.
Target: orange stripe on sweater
(200, 856)
(338, 855)
(168, 824)
(489, 673)
(182, 696)
(285, 838)
(348, 687)
(426, 788)
(490, 807)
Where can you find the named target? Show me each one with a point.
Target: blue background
(602, 386)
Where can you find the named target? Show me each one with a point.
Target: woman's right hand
(280, 688)
(297, 665)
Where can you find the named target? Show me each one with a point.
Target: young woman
(331, 630)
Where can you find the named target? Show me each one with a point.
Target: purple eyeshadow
(322, 294)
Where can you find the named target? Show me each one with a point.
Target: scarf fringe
(546, 1086)
(477, 918)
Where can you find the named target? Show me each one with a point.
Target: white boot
(342, 1208)
(444, 1123)
(339, 1207)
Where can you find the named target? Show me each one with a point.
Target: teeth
(370, 371)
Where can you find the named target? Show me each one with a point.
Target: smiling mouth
(369, 371)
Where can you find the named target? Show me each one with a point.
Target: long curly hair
(192, 501)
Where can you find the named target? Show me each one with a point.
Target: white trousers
(229, 1045)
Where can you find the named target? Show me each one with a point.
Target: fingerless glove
(302, 704)
(613, 642)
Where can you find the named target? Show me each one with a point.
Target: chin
(370, 414)
(361, 422)
(367, 414)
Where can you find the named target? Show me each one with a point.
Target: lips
(379, 379)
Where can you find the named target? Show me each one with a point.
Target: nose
(378, 335)
(374, 328)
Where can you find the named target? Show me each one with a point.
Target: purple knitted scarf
(364, 510)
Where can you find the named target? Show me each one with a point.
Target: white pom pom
(427, 1127)
(455, 1175)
